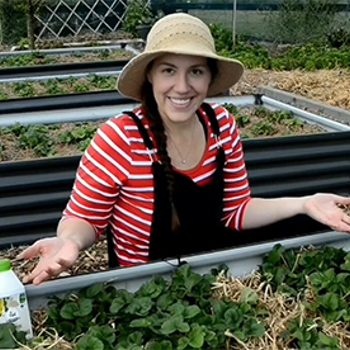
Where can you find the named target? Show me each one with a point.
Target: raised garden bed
(57, 87)
(36, 141)
(296, 299)
(42, 59)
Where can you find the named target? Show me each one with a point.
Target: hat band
(183, 39)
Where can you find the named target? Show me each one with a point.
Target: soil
(91, 260)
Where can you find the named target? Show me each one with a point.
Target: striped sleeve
(103, 169)
(236, 186)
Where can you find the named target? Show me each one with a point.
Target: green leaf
(249, 296)
(280, 275)
(134, 347)
(192, 281)
(183, 327)
(140, 307)
(169, 326)
(191, 311)
(176, 308)
(196, 337)
(275, 255)
(140, 323)
(245, 308)
(240, 334)
(233, 318)
(94, 290)
(152, 288)
(122, 299)
(84, 307)
(68, 311)
(156, 345)
(325, 340)
(175, 323)
(219, 308)
(135, 338)
(253, 328)
(88, 342)
(329, 301)
(69, 329)
(72, 310)
(6, 339)
(182, 343)
(117, 304)
(166, 345)
(165, 300)
(212, 339)
(104, 333)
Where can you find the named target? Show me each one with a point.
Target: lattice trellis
(80, 16)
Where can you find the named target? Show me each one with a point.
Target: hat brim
(133, 75)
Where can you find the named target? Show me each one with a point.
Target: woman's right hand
(56, 255)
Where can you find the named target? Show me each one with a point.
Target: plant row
(57, 87)
(38, 58)
(310, 57)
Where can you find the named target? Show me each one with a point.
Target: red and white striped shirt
(114, 182)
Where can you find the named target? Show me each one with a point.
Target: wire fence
(279, 21)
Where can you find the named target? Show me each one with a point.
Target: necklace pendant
(183, 161)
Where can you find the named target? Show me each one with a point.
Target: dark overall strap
(141, 128)
(112, 257)
(209, 111)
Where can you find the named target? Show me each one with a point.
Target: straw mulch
(327, 86)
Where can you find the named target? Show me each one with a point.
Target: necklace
(184, 159)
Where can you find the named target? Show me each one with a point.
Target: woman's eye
(168, 70)
(197, 72)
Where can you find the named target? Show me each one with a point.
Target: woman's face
(180, 84)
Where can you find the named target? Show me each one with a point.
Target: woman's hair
(157, 128)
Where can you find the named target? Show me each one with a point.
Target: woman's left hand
(324, 208)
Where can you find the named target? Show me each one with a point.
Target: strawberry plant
(242, 120)
(36, 138)
(81, 87)
(102, 82)
(263, 129)
(81, 136)
(180, 314)
(309, 336)
(52, 87)
(326, 272)
(24, 89)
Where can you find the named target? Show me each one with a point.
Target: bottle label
(14, 309)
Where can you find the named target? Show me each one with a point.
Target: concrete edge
(303, 102)
(113, 45)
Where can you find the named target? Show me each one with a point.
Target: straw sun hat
(184, 34)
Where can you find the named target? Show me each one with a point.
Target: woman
(169, 178)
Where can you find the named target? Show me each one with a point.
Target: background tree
(31, 8)
(17, 18)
